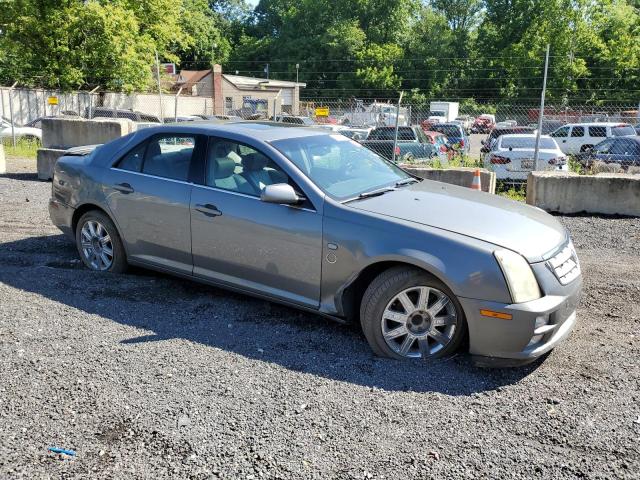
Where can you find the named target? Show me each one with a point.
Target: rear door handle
(208, 209)
(123, 188)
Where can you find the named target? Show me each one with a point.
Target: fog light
(541, 322)
(535, 339)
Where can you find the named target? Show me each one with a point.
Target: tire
(380, 299)
(99, 228)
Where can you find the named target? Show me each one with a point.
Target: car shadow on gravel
(168, 308)
(27, 176)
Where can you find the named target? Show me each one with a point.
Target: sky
(253, 3)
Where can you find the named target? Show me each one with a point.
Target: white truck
(443, 111)
(374, 115)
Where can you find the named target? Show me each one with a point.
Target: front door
(239, 240)
(149, 195)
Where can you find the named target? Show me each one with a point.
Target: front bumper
(518, 339)
(62, 216)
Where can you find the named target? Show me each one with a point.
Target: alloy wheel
(96, 245)
(419, 322)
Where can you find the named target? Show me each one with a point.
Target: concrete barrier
(462, 176)
(568, 192)
(3, 162)
(60, 134)
(46, 159)
(74, 132)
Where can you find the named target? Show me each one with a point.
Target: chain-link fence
(587, 137)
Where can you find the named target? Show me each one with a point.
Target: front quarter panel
(464, 264)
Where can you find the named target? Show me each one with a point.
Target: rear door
(149, 192)
(576, 139)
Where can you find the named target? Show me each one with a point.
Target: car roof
(522, 135)
(598, 124)
(265, 132)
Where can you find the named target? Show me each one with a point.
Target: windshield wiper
(372, 193)
(407, 181)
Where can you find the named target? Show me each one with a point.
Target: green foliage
(519, 193)
(481, 51)
(24, 148)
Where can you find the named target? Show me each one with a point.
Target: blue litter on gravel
(71, 453)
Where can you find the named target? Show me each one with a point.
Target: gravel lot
(146, 376)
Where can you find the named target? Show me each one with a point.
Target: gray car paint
(310, 256)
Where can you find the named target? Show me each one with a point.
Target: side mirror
(281, 193)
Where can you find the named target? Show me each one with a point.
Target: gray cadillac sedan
(312, 219)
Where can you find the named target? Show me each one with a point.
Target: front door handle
(123, 188)
(208, 209)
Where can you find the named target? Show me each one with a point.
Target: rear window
(623, 131)
(404, 133)
(448, 130)
(528, 143)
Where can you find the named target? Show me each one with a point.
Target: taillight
(553, 161)
(498, 160)
(397, 151)
(462, 143)
(443, 148)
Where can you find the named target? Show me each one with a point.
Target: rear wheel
(99, 244)
(407, 313)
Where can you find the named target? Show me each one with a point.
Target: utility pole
(159, 87)
(395, 137)
(541, 112)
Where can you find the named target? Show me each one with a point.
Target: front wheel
(407, 313)
(99, 244)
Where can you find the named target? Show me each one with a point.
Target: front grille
(565, 265)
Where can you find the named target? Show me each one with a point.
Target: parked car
(577, 138)
(317, 221)
(182, 118)
(374, 114)
(25, 133)
(412, 144)
(295, 120)
(105, 112)
(484, 123)
(456, 135)
(496, 132)
(228, 118)
(37, 122)
(512, 156)
(442, 146)
(466, 121)
(622, 150)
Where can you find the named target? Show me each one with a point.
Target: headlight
(520, 279)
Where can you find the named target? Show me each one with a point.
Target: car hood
(491, 218)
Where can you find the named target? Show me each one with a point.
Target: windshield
(341, 167)
(528, 143)
(623, 131)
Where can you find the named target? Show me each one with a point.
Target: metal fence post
(159, 87)
(536, 152)
(175, 107)
(13, 127)
(395, 136)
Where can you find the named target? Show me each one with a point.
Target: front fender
(466, 265)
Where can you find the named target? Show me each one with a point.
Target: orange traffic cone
(475, 184)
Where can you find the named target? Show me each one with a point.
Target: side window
(603, 147)
(577, 132)
(600, 132)
(622, 147)
(240, 168)
(169, 156)
(132, 161)
(561, 132)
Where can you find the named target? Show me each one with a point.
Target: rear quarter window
(623, 131)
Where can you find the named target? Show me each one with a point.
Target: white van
(576, 138)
